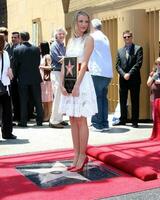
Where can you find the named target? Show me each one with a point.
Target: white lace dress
(85, 104)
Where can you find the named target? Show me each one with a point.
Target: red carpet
(16, 186)
(140, 159)
(133, 162)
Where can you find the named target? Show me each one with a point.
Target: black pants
(15, 99)
(6, 125)
(134, 92)
(24, 93)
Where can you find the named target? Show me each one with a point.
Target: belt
(79, 67)
(56, 70)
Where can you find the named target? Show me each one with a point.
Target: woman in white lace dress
(81, 103)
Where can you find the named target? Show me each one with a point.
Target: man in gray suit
(26, 61)
(129, 62)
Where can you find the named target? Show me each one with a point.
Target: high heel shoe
(73, 165)
(70, 167)
(79, 169)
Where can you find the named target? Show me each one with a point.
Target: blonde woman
(81, 102)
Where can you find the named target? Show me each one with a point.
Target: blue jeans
(100, 120)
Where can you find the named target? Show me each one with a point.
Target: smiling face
(82, 24)
(60, 36)
(15, 38)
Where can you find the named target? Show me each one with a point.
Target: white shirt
(6, 64)
(100, 63)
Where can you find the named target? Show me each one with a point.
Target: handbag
(3, 89)
(47, 71)
(46, 76)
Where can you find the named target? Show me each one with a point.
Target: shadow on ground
(14, 142)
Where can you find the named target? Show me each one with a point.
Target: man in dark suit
(14, 84)
(26, 61)
(129, 62)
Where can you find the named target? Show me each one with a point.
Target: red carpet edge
(137, 168)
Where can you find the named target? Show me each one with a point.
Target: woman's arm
(150, 81)
(152, 77)
(47, 68)
(8, 65)
(63, 90)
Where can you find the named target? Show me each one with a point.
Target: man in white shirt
(100, 66)
(57, 53)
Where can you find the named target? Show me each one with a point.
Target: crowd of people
(34, 78)
(33, 81)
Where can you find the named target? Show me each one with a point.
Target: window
(36, 31)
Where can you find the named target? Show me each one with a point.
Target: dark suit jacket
(7, 48)
(131, 65)
(26, 61)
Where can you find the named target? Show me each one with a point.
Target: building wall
(23, 13)
(112, 6)
(3, 13)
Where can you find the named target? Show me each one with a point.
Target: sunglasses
(127, 36)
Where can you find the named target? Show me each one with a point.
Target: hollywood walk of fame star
(53, 174)
(69, 68)
(57, 173)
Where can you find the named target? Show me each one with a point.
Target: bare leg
(45, 109)
(83, 134)
(49, 104)
(75, 139)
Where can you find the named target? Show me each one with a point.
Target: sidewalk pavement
(43, 138)
(36, 139)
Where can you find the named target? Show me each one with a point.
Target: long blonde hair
(75, 19)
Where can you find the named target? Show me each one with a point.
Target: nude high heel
(73, 165)
(79, 169)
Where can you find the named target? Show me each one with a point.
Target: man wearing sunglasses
(129, 62)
